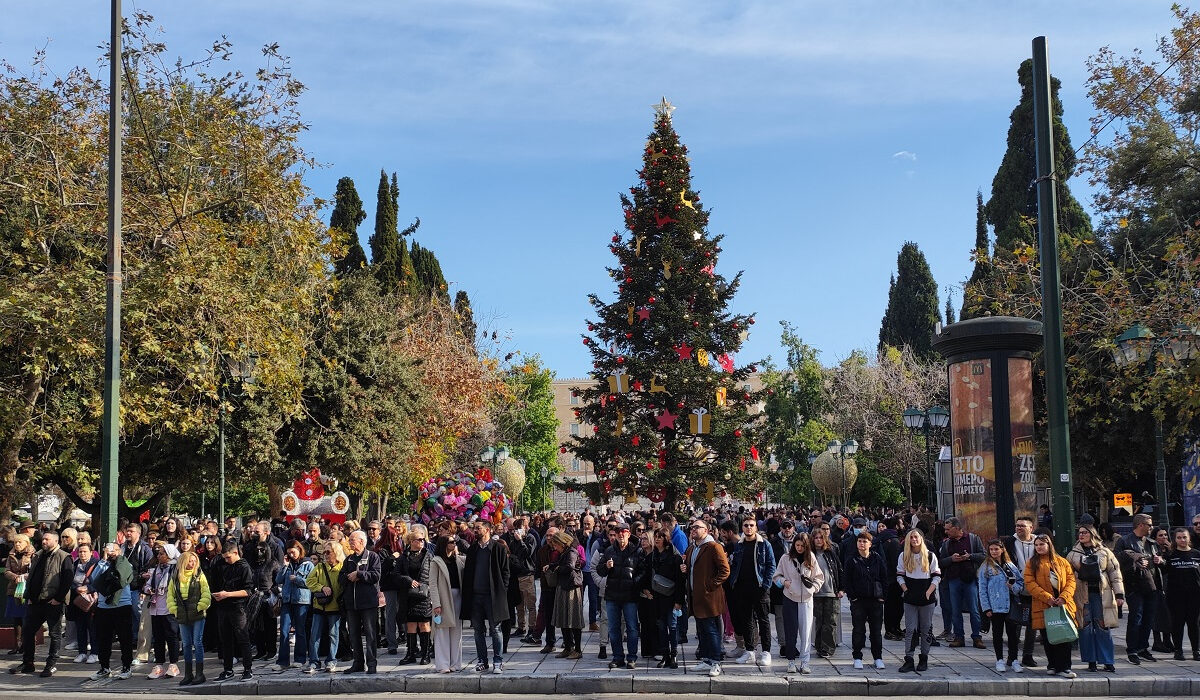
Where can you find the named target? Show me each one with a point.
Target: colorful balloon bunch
(462, 495)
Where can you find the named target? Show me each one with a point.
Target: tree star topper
(664, 108)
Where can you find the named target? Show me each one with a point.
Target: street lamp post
(1139, 346)
(925, 420)
(545, 475)
(841, 449)
(243, 371)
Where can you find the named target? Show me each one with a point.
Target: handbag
(551, 578)
(84, 601)
(662, 585)
(320, 598)
(1060, 627)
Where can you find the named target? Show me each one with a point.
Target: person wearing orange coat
(1050, 580)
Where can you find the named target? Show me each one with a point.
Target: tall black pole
(111, 428)
(928, 464)
(1056, 374)
(1160, 477)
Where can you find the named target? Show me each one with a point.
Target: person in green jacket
(326, 590)
(188, 597)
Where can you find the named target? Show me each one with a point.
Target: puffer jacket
(994, 593)
(416, 566)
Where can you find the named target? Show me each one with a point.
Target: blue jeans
(708, 633)
(1095, 641)
(593, 596)
(964, 597)
(481, 609)
(293, 614)
(616, 611)
(324, 623)
(85, 634)
(191, 635)
(1142, 607)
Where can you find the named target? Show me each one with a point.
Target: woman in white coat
(445, 593)
(800, 576)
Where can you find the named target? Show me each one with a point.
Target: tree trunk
(10, 456)
(274, 500)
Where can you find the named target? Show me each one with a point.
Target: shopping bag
(1060, 627)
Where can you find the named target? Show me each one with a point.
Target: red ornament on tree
(562, 450)
(651, 300)
(737, 433)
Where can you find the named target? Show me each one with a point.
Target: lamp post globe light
(926, 420)
(841, 450)
(1139, 347)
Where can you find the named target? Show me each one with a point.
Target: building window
(575, 429)
(574, 399)
(746, 388)
(575, 464)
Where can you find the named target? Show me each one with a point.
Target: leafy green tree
(386, 248)
(912, 310)
(1012, 208)
(347, 214)
(466, 317)
(795, 405)
(667, 332)
(428, 273)
(223, 256)
(525, 420)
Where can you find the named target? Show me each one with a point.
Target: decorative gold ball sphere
(827, 474)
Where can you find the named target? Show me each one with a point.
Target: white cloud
(906, 155)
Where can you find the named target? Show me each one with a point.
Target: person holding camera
(1139, 560)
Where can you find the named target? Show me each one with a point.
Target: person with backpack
(1000, 585)
(918, 575)
(188, 600)
(1098, 595)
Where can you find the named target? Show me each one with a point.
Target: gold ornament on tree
(827, 474)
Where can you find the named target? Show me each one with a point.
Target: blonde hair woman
(326, 589)
(918, 573)
(412, 571)
(1100, 592)
(188, 599)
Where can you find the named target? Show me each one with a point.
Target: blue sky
(822, 135)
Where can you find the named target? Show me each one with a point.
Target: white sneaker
(310, 669)
(1001, 667)
(879, 664)
(714, 671)
(764, 659)
(331, 667)
(805, 669)
(155, 673)
(82, 658)
(791, 667)
(702, 665)
(124, 674)
(71, 646)
(498, 668)
(100, 674)
(172, 671)
(747, 657)
(858, 664)
(93, 659)
(276, 667)
(737, 652)
(1017, 667)
(1067, 674)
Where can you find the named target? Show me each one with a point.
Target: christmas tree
(670, 411)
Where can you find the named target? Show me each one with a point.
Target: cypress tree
(466, 317)
(385, 243)
(405, 275)
(1012, 208)
(347, 214)
(949, 311)
(912, 310)
(977, 297)
(429, 277)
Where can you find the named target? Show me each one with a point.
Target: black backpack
(1089, 567)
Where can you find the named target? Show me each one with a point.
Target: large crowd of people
(174, 594)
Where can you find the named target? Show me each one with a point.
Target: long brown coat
(707, 598)
(1111, 585)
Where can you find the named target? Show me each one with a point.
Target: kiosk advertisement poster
(1024, 456)
(1191, 481)
(973, 443)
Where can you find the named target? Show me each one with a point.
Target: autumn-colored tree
(224, 254)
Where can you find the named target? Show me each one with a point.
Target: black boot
(426, 649)
(411, 656)
(908, 665)
(199, 673)
(187, 673)
(671, 661)
(923, 662)
(603, 652)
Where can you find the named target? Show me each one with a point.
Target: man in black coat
(888, 543)
(485, 593)
(50, 574)
(230, 591)
(360, 599)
